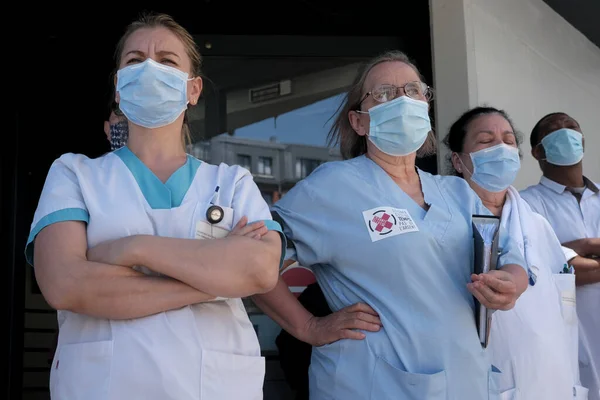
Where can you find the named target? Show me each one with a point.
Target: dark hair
(534, 138)
(455, 139)
(113, 106)
(351, 144)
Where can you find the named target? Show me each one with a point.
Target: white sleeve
(569, 253)
(61, 200)
(248, 201)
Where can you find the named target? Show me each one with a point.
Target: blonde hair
(154, 20)
(351, 144)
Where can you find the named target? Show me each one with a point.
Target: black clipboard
(485, 237)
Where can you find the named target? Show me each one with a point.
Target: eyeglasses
(415, 90)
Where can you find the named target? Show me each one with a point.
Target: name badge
(205, 230)
(385, 222)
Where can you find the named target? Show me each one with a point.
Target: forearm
(232, 267)
(585, 247)
(284, 308)
(115, 292)
(587, 270)
(520, 275)
(69, 281)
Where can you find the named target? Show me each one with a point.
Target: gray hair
(351, 144)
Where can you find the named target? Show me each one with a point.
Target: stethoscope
(214, 213)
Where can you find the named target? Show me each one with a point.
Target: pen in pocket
(567, 269)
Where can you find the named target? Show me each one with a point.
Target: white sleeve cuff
(569, 253)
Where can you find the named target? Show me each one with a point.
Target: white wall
(521, 56)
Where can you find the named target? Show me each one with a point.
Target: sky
(306, 125)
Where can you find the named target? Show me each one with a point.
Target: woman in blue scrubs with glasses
(389, 240)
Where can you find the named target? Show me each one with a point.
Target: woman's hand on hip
(342, 324)
(496, 290)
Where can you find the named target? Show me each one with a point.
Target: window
(265, 166)
(244, 161)
(268, 196)
(304, 166)
(201, 150)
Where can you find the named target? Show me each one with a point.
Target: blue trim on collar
(160, 196)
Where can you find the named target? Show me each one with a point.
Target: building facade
(276, 167)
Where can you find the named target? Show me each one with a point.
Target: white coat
(534, 344)
(206, 351)
(572, 220)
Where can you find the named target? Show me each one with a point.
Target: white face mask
(152, 95)
(399, 127)
(495, 168)
(563, 147)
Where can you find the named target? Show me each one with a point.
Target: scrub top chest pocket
(212, 221)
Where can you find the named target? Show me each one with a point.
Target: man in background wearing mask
(116, 128)
(571, 203)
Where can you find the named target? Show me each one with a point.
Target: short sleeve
(302, 215)
(510, 252)
(248, 201)
(290, 251)
(569, 253)
(61, 200)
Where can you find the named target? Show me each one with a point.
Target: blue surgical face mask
(119, 133)
(563, 147)
(152, 95)
(495, 168)
(399, 127)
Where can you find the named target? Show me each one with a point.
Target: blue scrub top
(368, 241)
